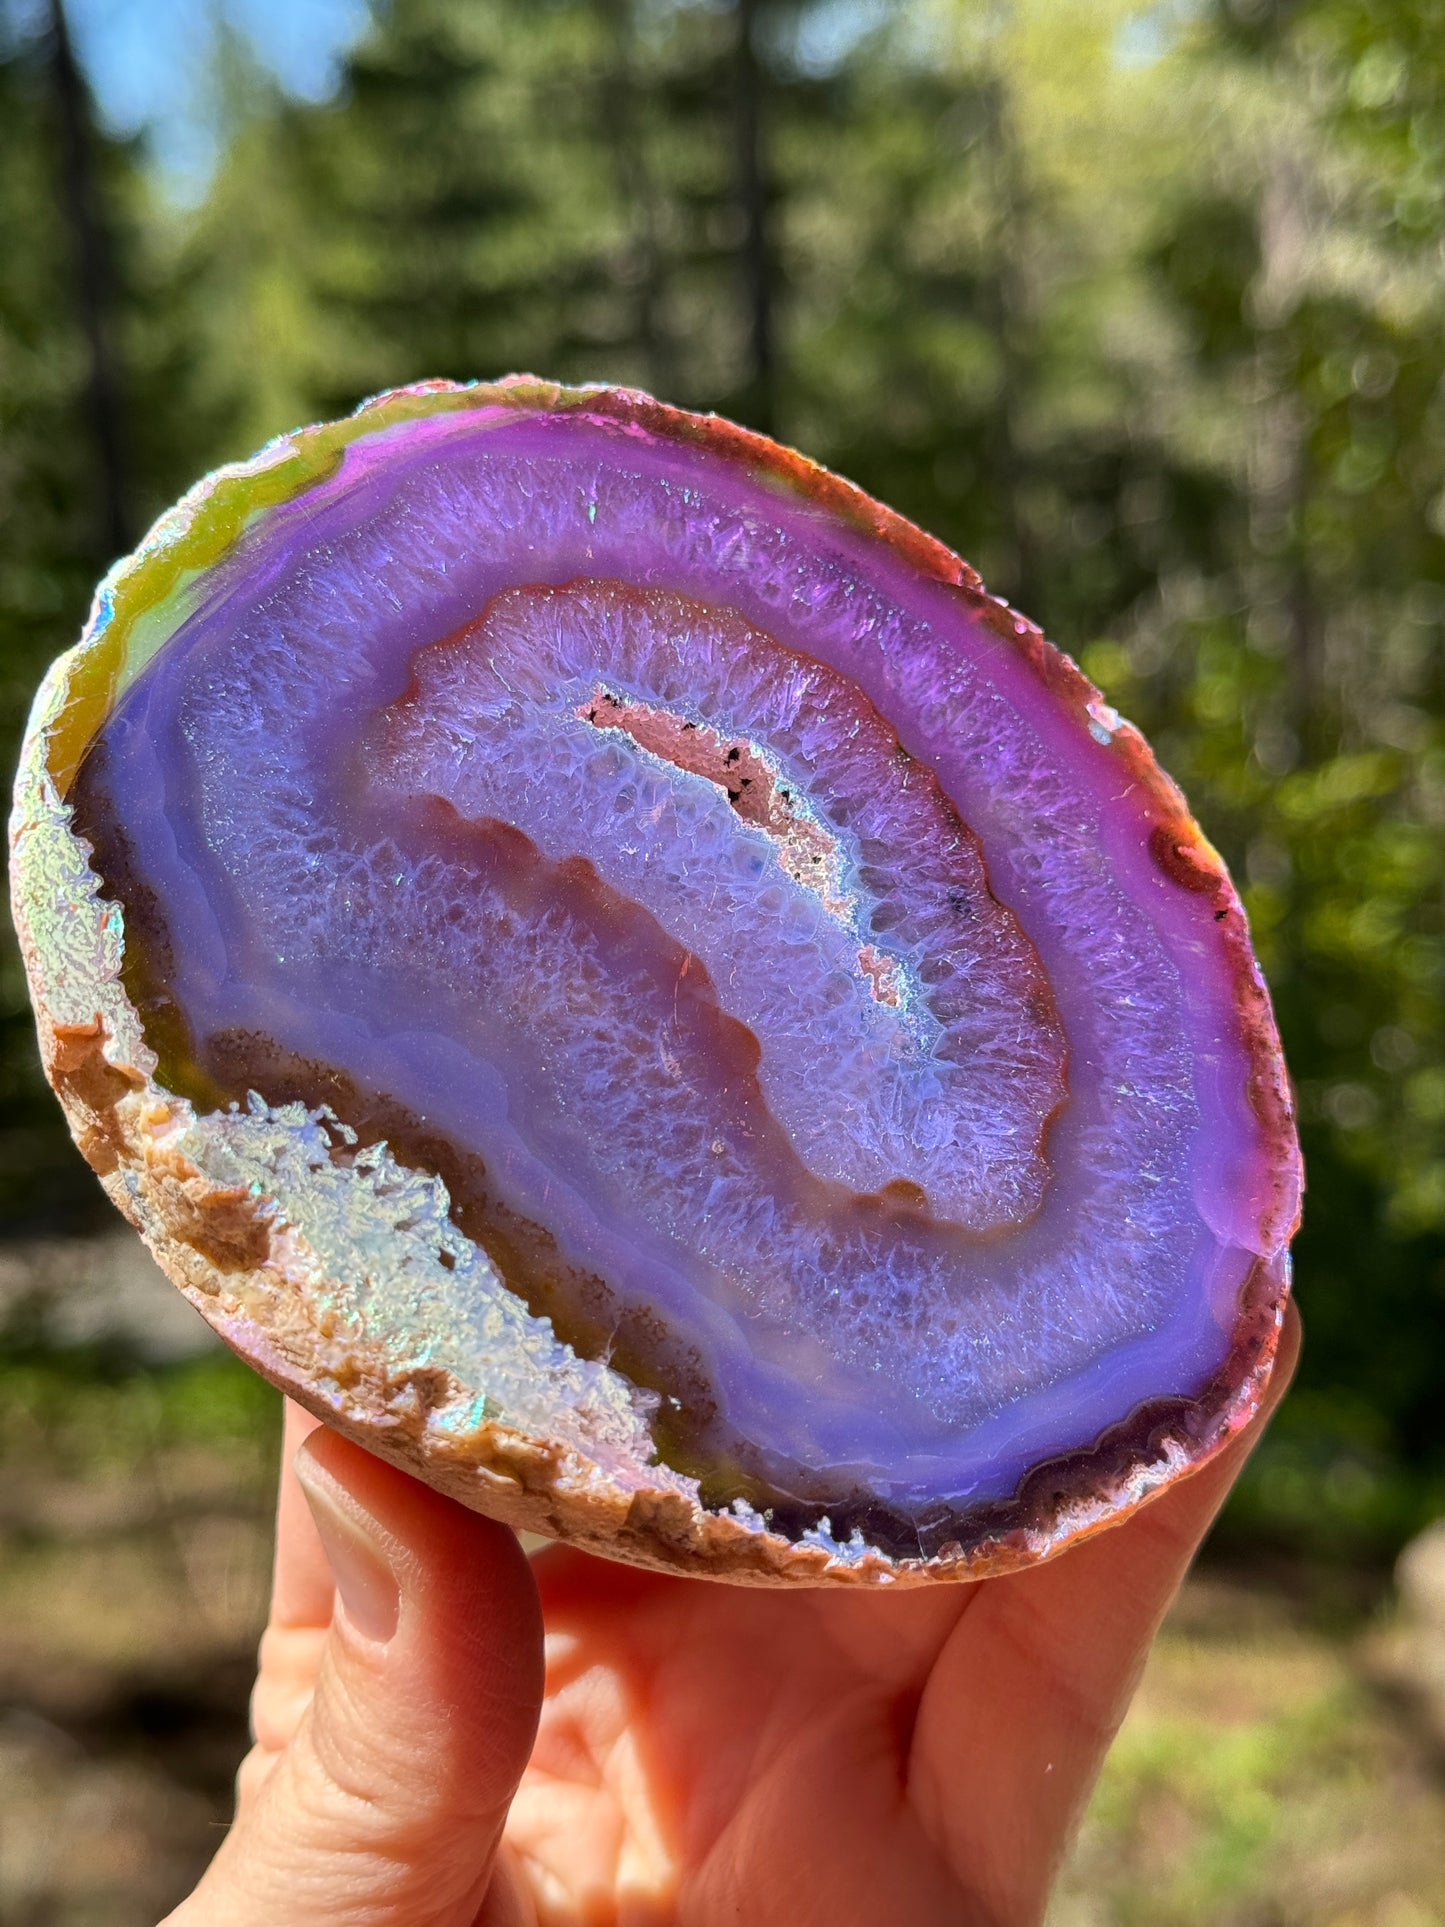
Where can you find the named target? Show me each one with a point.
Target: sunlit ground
(1273, 1772)
(1279, 1768)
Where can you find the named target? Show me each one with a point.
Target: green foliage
(1154, 342)
(80, 1414)
(1204, 1815)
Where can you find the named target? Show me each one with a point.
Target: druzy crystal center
(773, 907)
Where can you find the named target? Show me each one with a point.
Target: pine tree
(62, 502)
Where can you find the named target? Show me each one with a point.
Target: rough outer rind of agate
(342, 1268)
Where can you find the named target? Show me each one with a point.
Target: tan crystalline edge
(275, 1244)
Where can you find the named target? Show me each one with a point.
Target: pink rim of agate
(1100, 1309)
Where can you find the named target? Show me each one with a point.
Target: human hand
(692, 1752)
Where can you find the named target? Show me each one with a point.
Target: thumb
(388, 1802)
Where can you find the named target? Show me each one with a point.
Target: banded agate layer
(811, 997)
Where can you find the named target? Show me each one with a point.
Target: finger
(387, 1805)
(509, 1900)
(1029, 1690)
(302, 1594)
(302, 1588)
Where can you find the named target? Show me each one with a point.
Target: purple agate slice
(778, 965)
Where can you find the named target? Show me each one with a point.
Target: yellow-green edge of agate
(148, 594)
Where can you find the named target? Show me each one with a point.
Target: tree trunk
(94, 288)
(753, 200)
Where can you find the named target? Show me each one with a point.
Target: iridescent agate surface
(810, 996)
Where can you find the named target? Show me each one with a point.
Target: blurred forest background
(1139, 307)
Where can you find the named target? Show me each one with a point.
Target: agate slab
(610, 968)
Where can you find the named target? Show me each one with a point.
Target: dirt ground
(126, 1642)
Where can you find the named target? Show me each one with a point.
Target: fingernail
(356, 1550)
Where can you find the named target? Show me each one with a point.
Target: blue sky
(148, 63)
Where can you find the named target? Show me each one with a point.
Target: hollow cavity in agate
(658, 1003)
